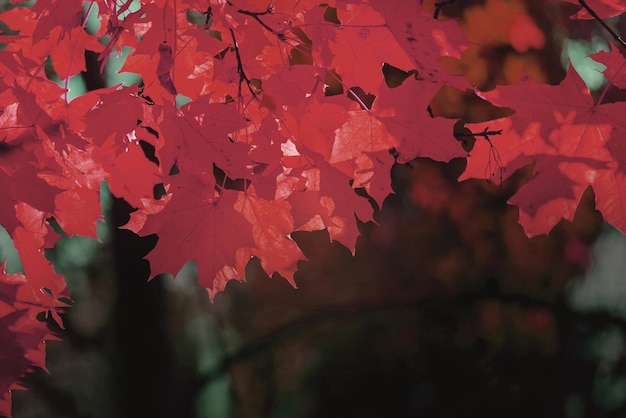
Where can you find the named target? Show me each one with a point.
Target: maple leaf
(405, 112)
(107, 112)
(63, 14)
(22, 334)
(130, 174)
(81, 170)
(424, 38)
(572, 142)
(171, 61)
(615, 70)
(360, 47)
(315, 130)
(293, 88)
(272, 223)
(75, 210)
(373, 174)
(213, 233)
(20, 183)
(68, 54)
(197, 136)
(47, 286)
(362, 133)
(337, 204)
(25, 114)
(266, 153)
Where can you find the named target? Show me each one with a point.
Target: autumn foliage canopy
(257, 118)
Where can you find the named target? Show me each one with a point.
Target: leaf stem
(358, 99)
(485, 134)
(494, 154)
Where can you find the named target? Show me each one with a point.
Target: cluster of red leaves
(293, 105)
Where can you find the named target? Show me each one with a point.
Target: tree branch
(485, 134)
(592, 12)
(441, 5)
(255, 16)
(242, 74)
(494, 154)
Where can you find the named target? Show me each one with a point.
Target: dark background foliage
(446, 308)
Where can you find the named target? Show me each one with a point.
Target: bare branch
(485, 134)
(255, 16)
(242, 74)
(441, 5)
(592, 12)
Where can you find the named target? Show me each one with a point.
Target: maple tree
(258, 118)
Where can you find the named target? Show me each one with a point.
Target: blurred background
(445, 309)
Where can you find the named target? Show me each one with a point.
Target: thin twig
(255, 16)
(493, 152)
(439, 6)
(485, 134)
(242, 74)
(614, 34)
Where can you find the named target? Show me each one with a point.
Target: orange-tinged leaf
(525, 34)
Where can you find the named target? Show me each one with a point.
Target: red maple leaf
(20, 184)
(211, 235)
(615, 70)
(66, 15)
(198, 135)
(272, 223)
(572, 143)
(113, 111)
(424, 38)
(68, 55)
(406, 114)
(337, 204)
(22, 334)
(171, 61)
(47, 286)
(360, 48)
